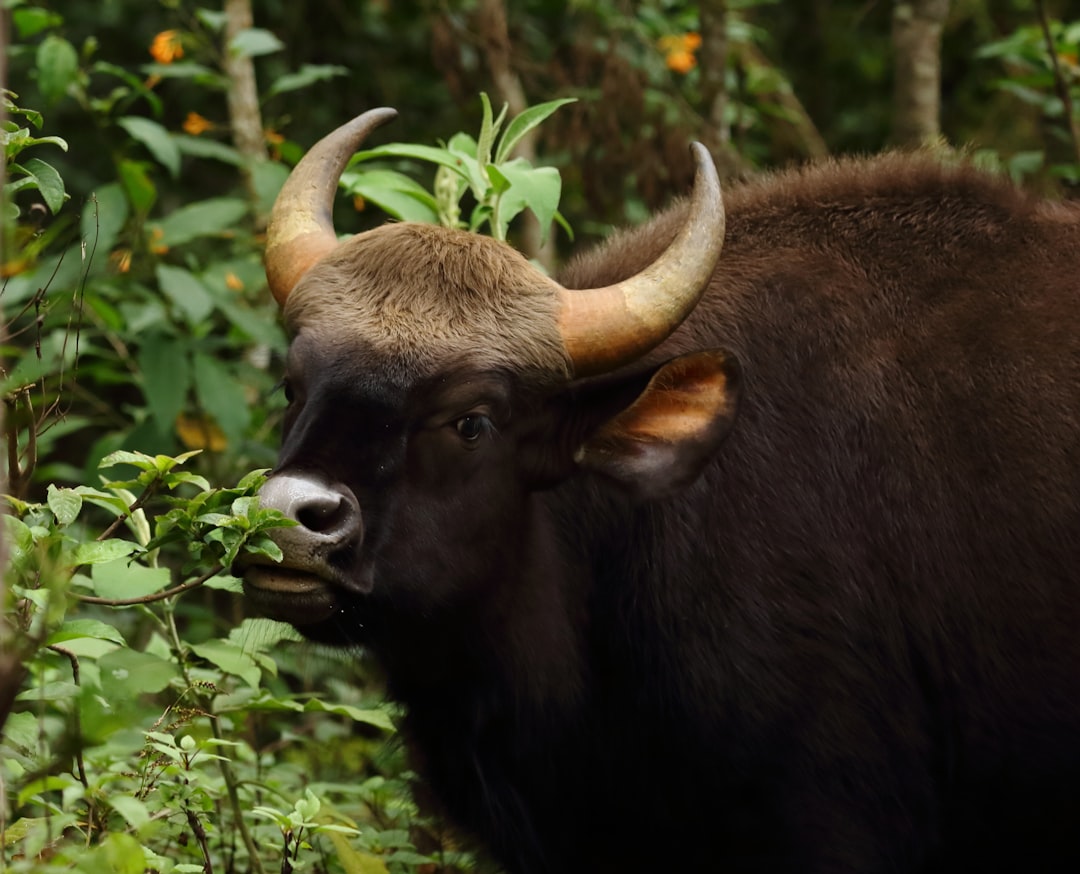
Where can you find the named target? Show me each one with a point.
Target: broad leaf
(98, 552)
(65, 504)
(186, 292)
(48, 182)
(308, 74)
(524, 123)
(166, 376)
(157, 140)
(220, 395)
(57, 66)
(121, 581)
(203, 218)
(254, 41)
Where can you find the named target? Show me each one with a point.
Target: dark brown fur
(852, 644)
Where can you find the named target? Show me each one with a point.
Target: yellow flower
(233, 282)
(200, 432)
(195, 124)
(679, 51)
(166, 47)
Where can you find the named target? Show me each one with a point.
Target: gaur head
(439, 385)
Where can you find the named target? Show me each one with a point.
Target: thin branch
(77, 726)
(200, 836)
(157, 596)
(1060, 84)
(138, 504)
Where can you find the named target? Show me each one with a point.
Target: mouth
(289, 595)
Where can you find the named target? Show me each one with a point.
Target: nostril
(328, 515)
(323, 514)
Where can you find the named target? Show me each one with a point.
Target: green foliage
(145, 736)
(501, 186)
(154, 727)
(1033, 81)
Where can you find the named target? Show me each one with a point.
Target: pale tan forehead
(425, 294)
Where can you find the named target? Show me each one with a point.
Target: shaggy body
(852, 644)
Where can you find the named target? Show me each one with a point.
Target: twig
(139, 503)
(157, 596)
(1059, 79)
(200, 836)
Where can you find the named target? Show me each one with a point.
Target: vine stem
(156, 596)
(227, 774)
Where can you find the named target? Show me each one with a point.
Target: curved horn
(301, 228)
(603, 328)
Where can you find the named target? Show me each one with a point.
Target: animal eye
(471, 427)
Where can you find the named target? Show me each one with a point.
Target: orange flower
(358, 203)
(273, 140)
(121, 259)
(233, 282)
(166, 47)
(157, 234)
(679, 51)
(195, 124)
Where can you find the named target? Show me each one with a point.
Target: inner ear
(663, 439)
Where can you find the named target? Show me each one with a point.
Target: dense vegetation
(147, 723)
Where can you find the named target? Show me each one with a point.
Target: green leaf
(22, 731)
(157, 140)
(201, 219)
(231, 659)
(30, 21)
(201, 147)
(49, 183)
(525, 122)
(137, 184)
(104, 216)
(222, 396)
(131, 809)
(307, 75)
(354, 861)
(499, 182)
(537, 188)
(119, 580)
(488, 130)
(421, 153)
(126, 673)
(64, 503)
(166, 377)
(254, 41)
(57, 66)
(99, 551)
(122, 456)
(377, 718)
(393, 192)
(118, 853)
(77, 629)
(262, 635)
(186, 293)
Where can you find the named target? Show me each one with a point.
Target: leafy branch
(501, 187)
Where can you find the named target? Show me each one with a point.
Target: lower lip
(290, 597)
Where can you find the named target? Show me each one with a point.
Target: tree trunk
(916, 37)
(491, 28)
(245, 119)
(713, 61)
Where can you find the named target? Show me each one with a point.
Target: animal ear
(664, 438)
